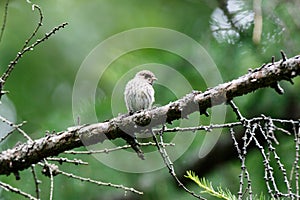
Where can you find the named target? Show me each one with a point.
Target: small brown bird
(139, 93)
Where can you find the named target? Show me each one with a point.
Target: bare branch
(54, 170)
(295, 168)
(99, 182)
(31, 152)
(236, 111)
(16, 190)
(168, 162)
(115, 149)
(40, 23)
(66, 160)
(27, 49)
(4, 20)
(14, 127)
(36, 182)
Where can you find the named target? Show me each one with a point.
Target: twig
(8, 187)
(21, 52)
(14, 127)
(66, 160)
(4, 19)
(244, 168)
(267, 167)
(114, 149)
(99, 182)
(295, 168)
(244, 171)
(269, 172)
(40, 23)
(27, 49)
(36, 182)
(236, 111)
(270, 135)
(283, 55)
(242, 153)
(56, 171)
(282, 130)
(168, 162)
(49, 170)
(206, 128)
(51, 184)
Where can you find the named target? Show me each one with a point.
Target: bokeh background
(42, 83)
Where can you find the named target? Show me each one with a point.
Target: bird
(139, 92)
(138, 95)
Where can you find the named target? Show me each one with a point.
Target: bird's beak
(153, 79)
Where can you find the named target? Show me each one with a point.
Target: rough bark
(24, 155)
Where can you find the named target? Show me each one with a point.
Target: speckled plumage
(139, 93)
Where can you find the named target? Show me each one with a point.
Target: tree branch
(24, 155)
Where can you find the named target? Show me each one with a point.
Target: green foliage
(208, 187)
(219, 193)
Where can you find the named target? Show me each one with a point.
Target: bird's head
(147, 75)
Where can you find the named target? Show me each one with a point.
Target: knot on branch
(143, 120)
(283, 55)
(50, 170)
(277, 88)
(174, 112)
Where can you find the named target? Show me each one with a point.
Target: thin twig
(56, 171)
(66, 160)
(24, 134)
(168, 162)
(243, 152)
(4, 20)
(99, 182)
(206, 128)
(21, 52)
(51, 184)
(269, 172)
(267, 167)
(114, 149)
(40, 23)
(282, 130)
(295, 168)
(247, 175)
(236, 111)
(8, 187)
(241, 156)
(270, 134)
(36, 182)
(49, 170)
(14, 127)
(11, 124)
(27, 49)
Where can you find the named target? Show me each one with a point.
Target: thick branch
(23, 155)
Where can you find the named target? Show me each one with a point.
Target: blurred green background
(42, 83)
